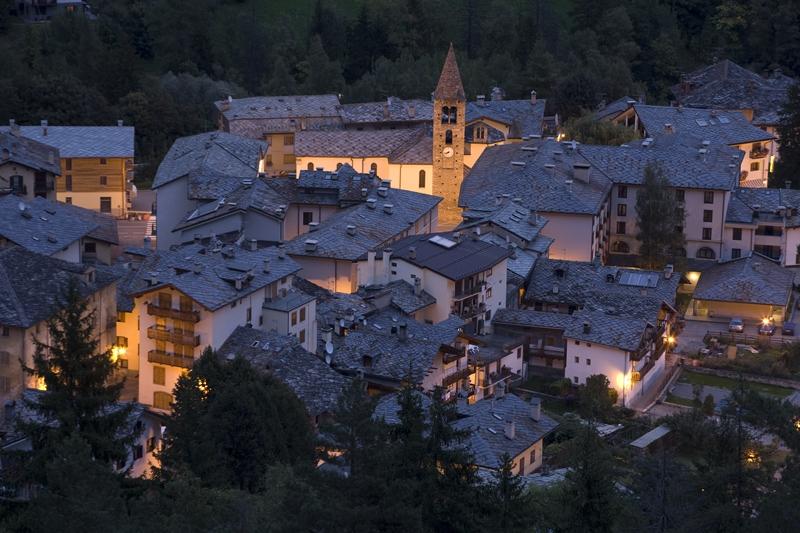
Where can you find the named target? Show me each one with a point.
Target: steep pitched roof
(754, 279)
(394, 109)
(316, 384)
(31, 285)
(83, 141)
(278, 107)
(209, 158)
(751, 206)
(725, 127)
(28, 152)
(356, 143)
(449, 86)
(523, 117)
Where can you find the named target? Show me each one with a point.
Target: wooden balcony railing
(177, 336)
(177, 314)
(170, 359)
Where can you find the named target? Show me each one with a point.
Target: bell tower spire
(449, 107)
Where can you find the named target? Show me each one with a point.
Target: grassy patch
(695, 378)
(671, 398)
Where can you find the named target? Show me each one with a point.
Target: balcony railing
(176, 335)
(170, 359)
(466, 292)
(470, 311)
(176, 314)
(455, 374)
(759, 154)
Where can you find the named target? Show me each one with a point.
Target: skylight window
(441, 241)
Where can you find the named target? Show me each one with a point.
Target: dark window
(708, 215)
(421, 179)
(138, 452)
(105, 204)
(301, 336)
(706, 253)
(445, 115)
(68, 164)
(770, 231)
(708, 197)
(103, 180)
(68, 182)
(373, 168)
(103, 161)
(249, 314)
(737, 234)
(453, 115)
(308, 217)
(288, 140)
(622, 192)
(90, 247)
(680, 195)
(621, 247)
(448, 137)
(310, 166)
(736, 253)
(622, 210)
(620, 228)
(6, 331)
(754, 166)
(68, 200)
(302, 314)
(706, 234)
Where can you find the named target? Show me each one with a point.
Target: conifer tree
(659, 219)
(787, 168)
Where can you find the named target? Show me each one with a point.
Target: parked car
(788, 329)
(736, 325)
(766, 329)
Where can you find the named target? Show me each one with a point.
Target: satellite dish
(328, 349)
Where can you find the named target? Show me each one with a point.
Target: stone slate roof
(623, 331)
(388, 407)
(678, 156)
(47, 227)
(373, 226)
(211, 157)
(401, 294)
(449, 86)
(521, 261)
(511, 216)
(335, 187)
(751, 206)
(520, 171)
(31, 285)
(523, 117)
(316, 384)
(468, 256)
(724, 127)
(219, 268)
(280, 107)
(610, 111)
(489, 447)
(393, 110)
(29, 153)
(531, 318)
(586, 284)
(754, 279)
(726, 85)
(84, 141)
(294, 298)
(357, 143)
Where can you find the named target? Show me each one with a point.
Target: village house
(96, 164)
(752, 287)
(465, 276)
(335, 254)
(57, 230)
(177, 303)
(712, 126)
(314, 382)
(27, 168)
(554, 181)
(197, 175)
(764, 221)
(31, 288)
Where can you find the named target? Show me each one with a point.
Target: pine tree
(787, 168)
(509, 502)
(80, 397)
(659, 219)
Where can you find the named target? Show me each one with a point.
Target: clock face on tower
(448, 151)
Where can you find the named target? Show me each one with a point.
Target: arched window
(621, 247)
(445, 114)
(373, 168)
(338, 166)
(311, 166)
(448, 137)
(453, 115)
(162, 400)
(421, 179)
(706, 253)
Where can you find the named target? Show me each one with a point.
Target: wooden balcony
(455, 375)
(177, 336)
(177, 314)
(759, 154)
(170, 359)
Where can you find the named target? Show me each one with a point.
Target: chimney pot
(587, 328)
(510, 429)
(412, 252)
(536, 408)
(388, 208)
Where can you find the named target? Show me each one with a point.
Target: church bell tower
(449, 106)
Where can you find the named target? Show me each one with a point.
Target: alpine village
(400, 266)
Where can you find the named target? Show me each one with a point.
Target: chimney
(412, 252)
(383, 192)
(536, 409)
(311, 245)
(350, 314)
(313, 226)
(533, 97)
(500, 389)
(498, 199)
(238, 284)
(417, 286)
(402, 331)
(668, 128)
(364, 192)
(412, 110)
(587, 328)
(497, 94)
(533, 218)
(120, 123)
(281, 251)
(371, 203)
(581, 171)
(351, 230)
(510, 429)
(457, 236)
(44, 127)
(481, 99)
(253, 245)
(387, 184)
(266, 265)
(197, 239)
(197, 268)
(327, 336)
(13, 126)
(386, 111)
(668, 270)
(388, 208)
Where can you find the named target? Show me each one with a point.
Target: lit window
(162, 400)
(159, 375)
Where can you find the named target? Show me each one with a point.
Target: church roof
(450, 86)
